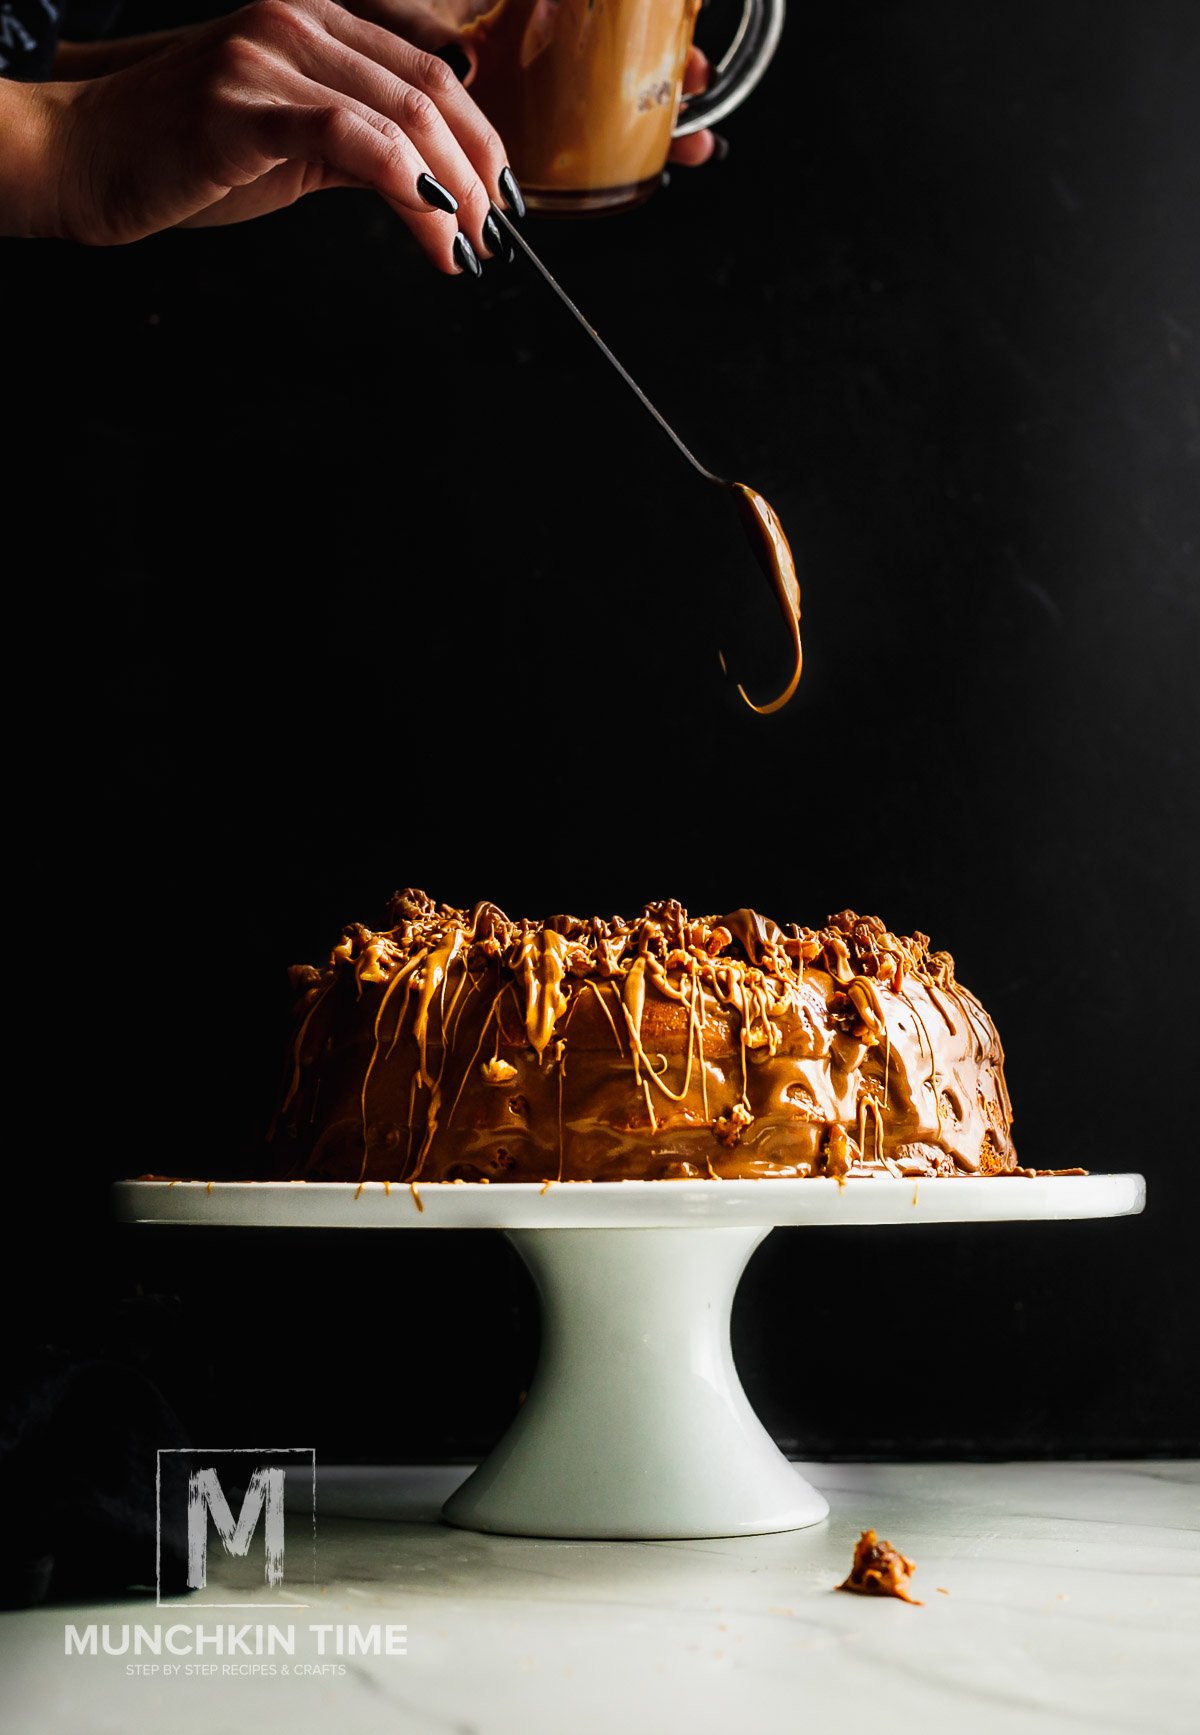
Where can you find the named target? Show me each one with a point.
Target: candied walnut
(950, 1106)
(498, 1071)
(765, 1034)
(718, 940)
(801, 1098)
(840, 1153)
(728, 1128)
(917, 1159)
(880, 1570)
(993, 1158)
(939, 966)
(413, 904)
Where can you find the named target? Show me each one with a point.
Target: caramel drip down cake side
(459, 1045)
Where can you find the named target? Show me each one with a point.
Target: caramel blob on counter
(880, 1570)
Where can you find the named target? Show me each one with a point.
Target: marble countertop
(1058, 1597)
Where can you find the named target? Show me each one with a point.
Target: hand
(247, 114)
(431, 24)
(434, 24)
(697, 148)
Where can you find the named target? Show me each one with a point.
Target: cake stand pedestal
(636, 1424)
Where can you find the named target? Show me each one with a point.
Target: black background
(333, 576)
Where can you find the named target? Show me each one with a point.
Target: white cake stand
(636, 1424)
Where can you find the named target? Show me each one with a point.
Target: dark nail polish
(664, 180)
(465, 256)
(514, 198)
(456, 58)
(436, 195)
(497, 245)
(720, 147)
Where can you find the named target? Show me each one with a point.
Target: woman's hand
(696, 148)
(435, 24)
(245, 115)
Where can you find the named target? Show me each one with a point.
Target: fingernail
(720, 147)
(465, 256)
(512, 194)
(436, 195)
(456, 58)
(497, 246)
(664, 180)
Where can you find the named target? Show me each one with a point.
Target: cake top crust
(743, 959)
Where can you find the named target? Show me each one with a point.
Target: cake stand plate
(636, 1424)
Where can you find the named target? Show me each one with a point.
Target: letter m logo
(238, 1492)
(206, 1496)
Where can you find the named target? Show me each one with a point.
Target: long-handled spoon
(759, 519)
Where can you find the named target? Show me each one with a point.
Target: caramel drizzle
(301, 1033)
(932, 1080)
(404, 974)
(428, 961)
(469, 1067)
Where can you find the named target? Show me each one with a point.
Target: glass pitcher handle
(740, 68)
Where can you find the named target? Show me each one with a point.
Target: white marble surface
(1074, 1604)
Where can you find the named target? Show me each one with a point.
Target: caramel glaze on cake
(462, 1046)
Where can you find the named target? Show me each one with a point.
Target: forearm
(31, 122)
(77, 60)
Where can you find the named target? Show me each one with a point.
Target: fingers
(459, 145)
(697, 148)
(697, 70)
(693, 150)
(411, 19)
(366, 149)
(475, 142)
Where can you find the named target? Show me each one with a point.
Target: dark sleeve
(28, 37)
(30, 29)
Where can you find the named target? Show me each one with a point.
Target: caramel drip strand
(469, 1067)
(542, 964)
(437, 963)
(298, 1044)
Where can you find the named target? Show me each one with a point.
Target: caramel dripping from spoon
(773, 553)
(759, 519)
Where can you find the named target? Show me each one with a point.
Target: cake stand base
(636, 1424)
